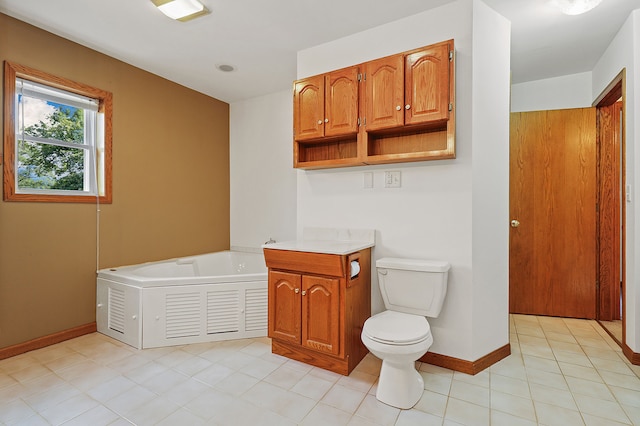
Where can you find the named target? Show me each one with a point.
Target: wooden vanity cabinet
(316, 310)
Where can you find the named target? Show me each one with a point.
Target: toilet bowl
(411, 289)
(399, 340)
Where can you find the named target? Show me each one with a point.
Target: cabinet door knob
(398, 108)
(326, 120)
(515, 223)
(296, 291)
(407, 106)
(319, 121)
(304, 292)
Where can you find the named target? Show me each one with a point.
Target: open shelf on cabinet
(410, 145)
(324, 154)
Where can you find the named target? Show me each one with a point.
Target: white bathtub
(209, 297)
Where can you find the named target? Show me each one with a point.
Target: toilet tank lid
(424, 265)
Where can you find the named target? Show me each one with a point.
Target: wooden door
(552, 265)
(427, 84)
(610, 199)
(284, 306)
(321, 314)
(341, 107)
(308, 108)
(384, 87)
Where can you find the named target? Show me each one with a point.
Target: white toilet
(412, 289)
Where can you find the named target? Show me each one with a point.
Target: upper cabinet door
(427, 84)
(341, 108)
(384, 93)
(308, 108)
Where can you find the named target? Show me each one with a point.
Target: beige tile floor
(561, 372)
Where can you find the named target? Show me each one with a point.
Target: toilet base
(400, 385)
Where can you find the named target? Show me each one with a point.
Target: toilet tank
(413, 286)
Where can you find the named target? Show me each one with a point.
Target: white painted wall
(263, 181)
(568, 91)
(624, 52)
(456, 210)
(490, 177)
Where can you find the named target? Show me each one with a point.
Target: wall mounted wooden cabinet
(406, 111)
(316, 309)
(325, 116)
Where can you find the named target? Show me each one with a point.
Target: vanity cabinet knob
(398, 108)
(304, 292)
(296, 291)
(407, 106)
(326, 120)
(319, 121)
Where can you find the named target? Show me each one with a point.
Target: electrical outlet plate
(392, 179)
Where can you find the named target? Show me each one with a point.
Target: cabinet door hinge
(450, 107)
(450, 55)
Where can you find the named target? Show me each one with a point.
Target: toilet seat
(397, 328)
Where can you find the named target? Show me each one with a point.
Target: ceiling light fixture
(181, 10)
(575, 7)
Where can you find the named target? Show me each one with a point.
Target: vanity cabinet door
(321, 314)
(284, 306)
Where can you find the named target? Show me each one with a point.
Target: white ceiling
(260, 38)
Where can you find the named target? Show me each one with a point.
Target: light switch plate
(367, 180)
(392, 179)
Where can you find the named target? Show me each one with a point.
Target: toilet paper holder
(354, 269)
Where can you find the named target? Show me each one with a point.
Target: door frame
(614, 91)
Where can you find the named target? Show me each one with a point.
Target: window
(57, 138)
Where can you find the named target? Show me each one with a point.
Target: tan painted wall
(170, 190)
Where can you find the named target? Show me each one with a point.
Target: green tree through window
(44, 166)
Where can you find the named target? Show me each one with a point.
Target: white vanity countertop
(321, 246)
(329, 241)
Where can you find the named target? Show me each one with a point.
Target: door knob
(515, 223)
